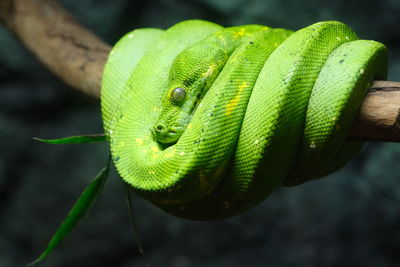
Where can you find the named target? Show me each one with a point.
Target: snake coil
(206, 121)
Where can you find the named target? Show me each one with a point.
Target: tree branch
(77, 57)
(379, 116)
(71, 52)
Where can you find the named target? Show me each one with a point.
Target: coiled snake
(206, 121)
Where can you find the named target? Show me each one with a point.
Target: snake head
(179, 105)
(191, 75)
(173, 118)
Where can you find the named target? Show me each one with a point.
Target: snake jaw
(165, 134)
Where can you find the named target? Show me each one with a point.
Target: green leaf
(78, 211)
(78, 139)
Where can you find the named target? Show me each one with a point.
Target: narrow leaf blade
(129, 201)
(78, 211)
(78, 139)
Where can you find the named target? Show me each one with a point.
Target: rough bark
(70, 51)
(379, 116)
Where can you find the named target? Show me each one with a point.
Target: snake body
(206, 122)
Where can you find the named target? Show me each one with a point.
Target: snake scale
(206, 122)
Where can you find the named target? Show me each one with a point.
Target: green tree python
(206, 122)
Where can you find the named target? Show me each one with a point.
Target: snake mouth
(167, 135)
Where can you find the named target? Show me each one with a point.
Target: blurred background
(350, 218)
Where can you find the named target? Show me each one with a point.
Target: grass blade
(78, 211)
(129, 202)
(78, 139)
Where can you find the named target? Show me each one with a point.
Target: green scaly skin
(261, 108)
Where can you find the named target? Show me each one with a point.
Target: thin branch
(77, 57)
(70, 51)
(379, 116)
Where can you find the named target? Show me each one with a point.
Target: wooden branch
(77, 57)
(70, 51)
(379, 116)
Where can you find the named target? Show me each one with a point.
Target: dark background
(348, 219)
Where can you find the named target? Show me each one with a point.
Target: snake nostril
(159, 127)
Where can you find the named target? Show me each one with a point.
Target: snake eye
(178, 94)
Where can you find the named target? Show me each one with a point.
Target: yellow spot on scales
(230, 107)
(243, 86)
(234, 58)
(210, 70)
(170, 154)
(155, 149)
(241, 32)
(139, 141)
(121, 144)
